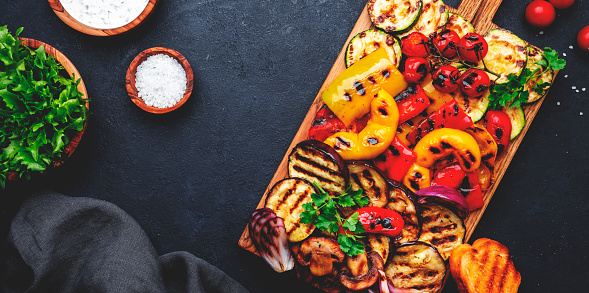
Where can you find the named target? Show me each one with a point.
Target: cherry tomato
(498, 125)
(415, 45)
(445, 78)
(540, 13)
(447, 43)
(562, 4)
(583, 38)
(415, 69)
(473, 47)
(474, 82)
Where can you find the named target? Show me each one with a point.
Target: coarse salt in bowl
(159, 80)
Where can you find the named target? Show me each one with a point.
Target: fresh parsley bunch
(513, 92)
(324, 213)
(40, 108)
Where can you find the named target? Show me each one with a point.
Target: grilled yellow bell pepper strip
(417, 177)
(349, 95)
(378, 134)
(444, 142)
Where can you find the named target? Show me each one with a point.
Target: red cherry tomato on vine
(447, 43)
(498, 125)
(562, 4)
(415, 45)
(415, 69)
(445, 78)
(474, 82)
(583, 38)
(473, 47)
(540, 13)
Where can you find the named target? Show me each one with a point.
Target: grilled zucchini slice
(458, 24)
(474, 107)
(507, 54)
(402, 200)
(286, 199)
(434, 16)
(371, 181)
(416, 265)
(518, 120)
(316, 161)
(441, 228)
(394, 16)
(368, 41)
(547, 75)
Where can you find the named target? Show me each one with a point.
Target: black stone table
(192, 177)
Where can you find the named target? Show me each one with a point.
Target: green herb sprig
(40, 108)
(513, 93)
(323, 212)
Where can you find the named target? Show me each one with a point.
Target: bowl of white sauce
(103, 17)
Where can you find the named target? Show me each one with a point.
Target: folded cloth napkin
(73, 244)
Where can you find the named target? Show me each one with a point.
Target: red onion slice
(269, 237)
(440, 194)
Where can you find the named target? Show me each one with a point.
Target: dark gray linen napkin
(74, 244)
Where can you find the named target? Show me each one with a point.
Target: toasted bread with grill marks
(484, 267)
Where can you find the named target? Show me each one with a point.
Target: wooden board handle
(483, 21)
(468, 8)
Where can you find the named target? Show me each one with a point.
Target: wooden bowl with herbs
(43, 121)
(116, 17)
(155, 80)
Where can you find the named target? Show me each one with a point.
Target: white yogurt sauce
(104, 14)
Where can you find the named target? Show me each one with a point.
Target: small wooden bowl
(130, 79)
(71, 69)
(75, 24)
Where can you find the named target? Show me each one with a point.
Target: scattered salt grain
(566, 76)
(577, 91)
(160, 81)
(104, 14)
(581, 114)
(583, 89)
(558, 103)
(571, 47)
(574, 87)
(564, 54)
(541, 32)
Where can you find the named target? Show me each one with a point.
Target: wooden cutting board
(480, 13)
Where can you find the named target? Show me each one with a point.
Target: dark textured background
(192, 177)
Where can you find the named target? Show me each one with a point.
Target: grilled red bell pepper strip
(325, 125)
(448, 116)
(411, 102)
(381, 221)
(466, 182)
(396, 160)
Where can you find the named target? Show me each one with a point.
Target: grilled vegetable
(473, 47)
(458, 24)
(416, 265)
(368, 41)
(379, 244)
(445, 78)
(439, 193)
(350, 94)
(417, 177)
(286, 199)
(411, 102)
(394, 16)
(446, 42)
(441, 228)
(365, 177)
(380, 221)
(319, 254)
(415, 69)
(474, 107)
(445, 141)
(402, 200)
(362, 282)
(545, 75)
(315, 161)
(434, 15)
(415, 44)
(507, 54)
(325, 124)
(449, 116)
(518, 120)
(269, 237)
(396, 160)
(487, 144)
(498, 124)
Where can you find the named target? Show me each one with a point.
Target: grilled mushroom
(319, 253)
(366, 280)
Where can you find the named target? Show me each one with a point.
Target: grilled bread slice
(286, 199)
(319, 163)
(484, 267)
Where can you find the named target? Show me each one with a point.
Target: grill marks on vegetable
(371, 181)
(416, 265)
(313, 165)
(442, 228)
(399, 201)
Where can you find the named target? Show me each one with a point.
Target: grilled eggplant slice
(286, 199)
(546, 75)
(441, 228)
(518, 120)
(394, 16)
(380, 244)
(474, 107)
(434, 16)
(416, 265)
(374, 184)
(368, 41)
(507, 54)
(458, 24)
(402, 200)
(316, 161)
